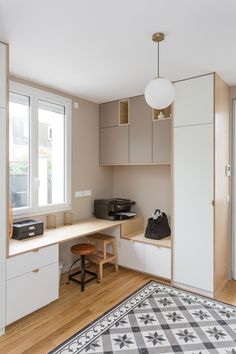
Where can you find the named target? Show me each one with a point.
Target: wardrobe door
(193, 102)
(4, 186)
(193, 210)
(140, 131)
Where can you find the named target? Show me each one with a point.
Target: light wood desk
(33, 263)
(69, 232)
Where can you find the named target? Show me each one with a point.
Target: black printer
(113, 209)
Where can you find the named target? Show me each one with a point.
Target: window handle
(37, 183)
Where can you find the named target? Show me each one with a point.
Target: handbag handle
(154, 215)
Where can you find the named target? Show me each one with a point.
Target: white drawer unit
(158, 261)
(31, 291)
(32, 281)
(131, 254)
(26, 262)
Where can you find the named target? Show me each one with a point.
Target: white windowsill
(42, 212)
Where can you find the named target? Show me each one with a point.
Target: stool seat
(83, 249)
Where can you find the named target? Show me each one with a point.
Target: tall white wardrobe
(201, 258)
(3, 176)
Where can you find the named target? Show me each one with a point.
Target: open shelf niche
(124, 112)
(166, 113)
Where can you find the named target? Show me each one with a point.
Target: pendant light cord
(158, 65)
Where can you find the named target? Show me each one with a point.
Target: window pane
(51, 150)
(19, 143)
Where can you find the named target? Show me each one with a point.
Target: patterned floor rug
(158, 319)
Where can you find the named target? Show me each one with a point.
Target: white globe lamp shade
(159, 93)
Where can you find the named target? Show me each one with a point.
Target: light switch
(87, 193)
(76, 105)
(228, 170)
(79, 194)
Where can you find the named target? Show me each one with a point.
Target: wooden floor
(46, 328)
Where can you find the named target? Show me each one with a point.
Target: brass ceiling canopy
(158, 37)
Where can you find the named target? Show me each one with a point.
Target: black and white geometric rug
(158, 319)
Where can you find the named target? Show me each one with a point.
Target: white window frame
(35, 95)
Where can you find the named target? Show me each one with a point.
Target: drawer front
(131, 255)
(26, 262)
(158, 261)
(31, 291)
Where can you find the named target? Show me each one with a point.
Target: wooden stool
(82, 250)
(102, 257)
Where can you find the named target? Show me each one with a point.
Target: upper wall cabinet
(3, 75)
(114, 145)
(108, 114)
(132, 133)
(193, 101)
(162, 140)
(140, 131)
(114, 132)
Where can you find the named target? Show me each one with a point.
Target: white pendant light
(159, 92)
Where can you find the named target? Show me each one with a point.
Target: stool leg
(82, 272)
(100, 272)
(68, 281)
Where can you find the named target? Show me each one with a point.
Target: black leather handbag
(157, 226)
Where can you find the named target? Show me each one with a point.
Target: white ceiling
(101, 50)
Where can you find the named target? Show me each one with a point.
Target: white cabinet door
(158, 261)
(3, 75)
(194, 101)
(131, 254)
(31, 291)
(193, 210)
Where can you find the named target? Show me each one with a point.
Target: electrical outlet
(79, 194)
(87, 193)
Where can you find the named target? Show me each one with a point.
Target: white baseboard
(2, 331)
(193, 289)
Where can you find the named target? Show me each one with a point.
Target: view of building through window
(51, 153)
(19, 151)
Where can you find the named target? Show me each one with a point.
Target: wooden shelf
(139, 237)
(123, 112)
(166, 111)
(161, 119)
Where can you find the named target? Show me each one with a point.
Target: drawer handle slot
(31, 227)
(35, 270)
(31, 233)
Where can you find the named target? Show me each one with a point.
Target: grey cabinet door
(114, 145)
(109, 114)
(162, 141)
(140, 131)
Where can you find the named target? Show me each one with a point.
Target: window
(40, 151)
